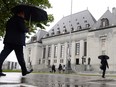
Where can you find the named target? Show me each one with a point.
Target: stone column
(65, 53)
(58, 55)
(73, 59)
(52, 54)
(46, 55)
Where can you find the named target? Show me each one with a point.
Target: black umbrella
(103, 57)
(32, 13)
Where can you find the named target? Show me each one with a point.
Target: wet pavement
(56, 80)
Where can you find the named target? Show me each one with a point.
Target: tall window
(62, 51)
(103, 45)
(49, 51)
(77, 49)
(85, 48)
(44, 52)
(103, 42)
(55, 51)
(69, 49)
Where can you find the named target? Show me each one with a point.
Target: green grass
(11, 70)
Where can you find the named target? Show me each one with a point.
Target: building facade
(78, 38)
(10, 65)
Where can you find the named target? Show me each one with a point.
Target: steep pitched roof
(38, 36)
(80, 19)
(111, 18)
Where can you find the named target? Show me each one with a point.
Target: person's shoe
(103, 76)
(2, 74)
(27, 72)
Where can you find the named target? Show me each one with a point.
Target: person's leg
(20, 57)
(103, 74)
(4, 53)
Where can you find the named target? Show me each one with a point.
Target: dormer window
(104, 22)
(52, 32)
(34, 38)
(58, 30)
(72, 29)
(87, 25)
(77, 23)
(79, 27)
(64, 30)
(85, 21)
(47, 34)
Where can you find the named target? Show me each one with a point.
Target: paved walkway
(13, 80)
(57, 80)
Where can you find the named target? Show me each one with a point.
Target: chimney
(114, 11)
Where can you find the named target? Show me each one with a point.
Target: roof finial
(87, 8)
(107, 8)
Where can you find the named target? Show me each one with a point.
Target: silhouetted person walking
(53, 68)
(15, 40)
(60, 68)
(89, 60)
(104, 65)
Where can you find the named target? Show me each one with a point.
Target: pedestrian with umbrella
(104, 64)
(15, 33)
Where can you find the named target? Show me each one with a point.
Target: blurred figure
(89, 60)
(15, 40)
(53, 68)
(60, 68)
(63, 68)
(104, 63)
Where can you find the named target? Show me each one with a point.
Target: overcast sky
(63, 8)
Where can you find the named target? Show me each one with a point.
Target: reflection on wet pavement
(66, 81)
(54, 80)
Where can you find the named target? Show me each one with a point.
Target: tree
(5, 13)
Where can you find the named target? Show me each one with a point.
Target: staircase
(82, 68)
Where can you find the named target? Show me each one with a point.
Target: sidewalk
(13, 80)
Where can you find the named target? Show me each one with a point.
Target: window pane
(44, 52)
(49, 51)
(77, 48)
(55, 51)
(62, 51)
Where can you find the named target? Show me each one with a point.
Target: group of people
(60, 68)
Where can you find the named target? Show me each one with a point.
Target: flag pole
(69, 69)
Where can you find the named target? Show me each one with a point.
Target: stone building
(78, 38)
(10, 65)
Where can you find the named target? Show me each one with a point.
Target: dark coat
(104, 64)
(15, 31)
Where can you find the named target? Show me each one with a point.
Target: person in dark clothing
(104, 65)
(60, 68)
(15, 40)
(89, 60)
(53, 68)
